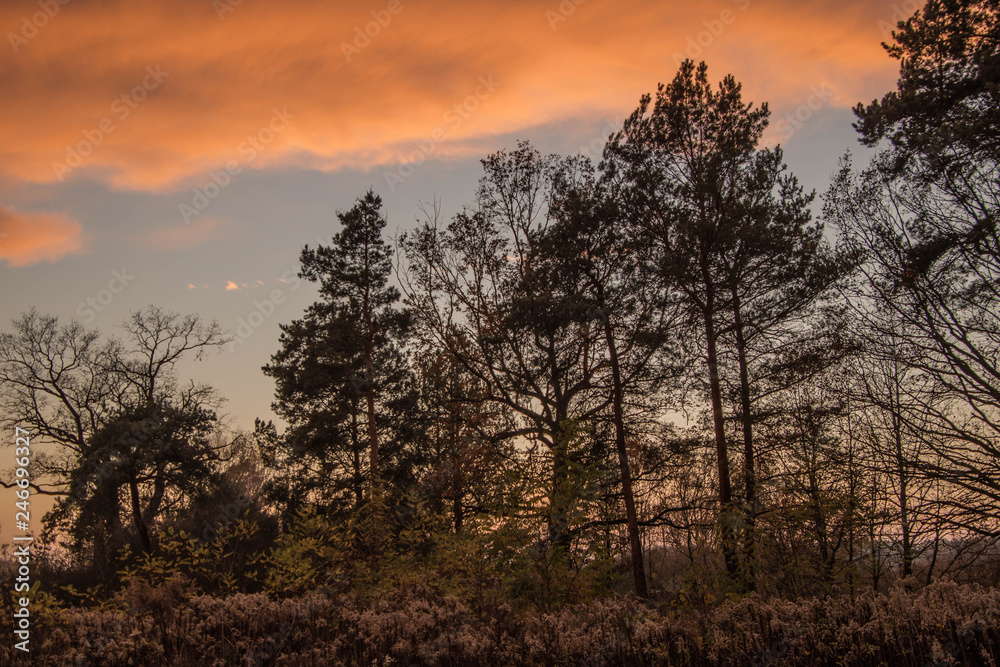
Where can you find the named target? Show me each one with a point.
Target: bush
(945, 623)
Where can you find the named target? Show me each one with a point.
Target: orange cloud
(29, 238)
(158, 96)
(185, 237)
(231, 286)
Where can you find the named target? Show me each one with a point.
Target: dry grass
(945, 623)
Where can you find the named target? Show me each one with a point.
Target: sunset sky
(182, 153)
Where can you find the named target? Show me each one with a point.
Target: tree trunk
(372, 432)
(560, 500)
(635, 543)
(749, 475)
(159, 488)
(140, 523)
(558, 524)
(456, 506)
(822, 532)
(904, 501)
(370, 393)
(359, 480)
(904, 521)
(725, 489)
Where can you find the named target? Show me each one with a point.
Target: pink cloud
(156, 96)
(29, 238)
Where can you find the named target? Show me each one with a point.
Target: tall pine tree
(342, 378)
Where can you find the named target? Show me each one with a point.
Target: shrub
(944, 623)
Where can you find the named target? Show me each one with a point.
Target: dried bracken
(944, 623)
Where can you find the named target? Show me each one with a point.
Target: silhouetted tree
(732, 235)
(342, 378)
(587, 255)
(924, 214)
(130, 440)
(474, 293)
(465, 464)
